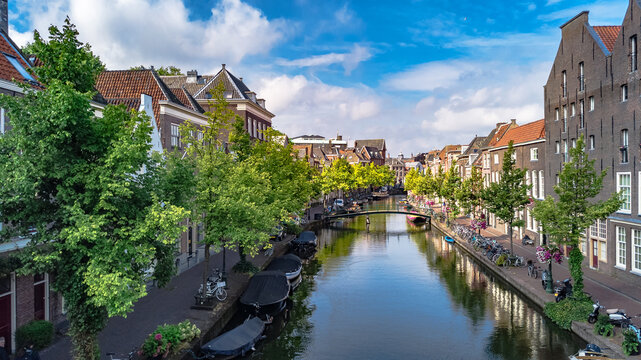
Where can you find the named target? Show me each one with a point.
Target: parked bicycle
(215, 286)
(129, 356)
(532, 269)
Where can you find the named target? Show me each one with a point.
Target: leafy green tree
(451, 185)
(509, 195)
(469, 194)
(101, 203)
(162, 71)
(411, 180)
(65, 58)
(566, 219)
(339, 176)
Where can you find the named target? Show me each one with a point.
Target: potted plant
(630, 342)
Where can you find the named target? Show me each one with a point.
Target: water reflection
(398, 292)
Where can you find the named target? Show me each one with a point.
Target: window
(573, 109)
(565, 150)
(558, 147)
(557, 179)
(2, 125)
(581, 112)
(624, 146)
(591, 142)
(591, 99)
(599, 229)
(514, 156)
(534, 154)
(541, 185)
(496, 158)
(199, 135)
(581, 78)
(556, 114)
(564, 85)
(535, 184)
(573, 143)
(633, 53)
(528, 182)
(624, 187)
(175, 136)
(620, 247)
(636, 250)
(565, 118)
(16, 64)
(624, 92)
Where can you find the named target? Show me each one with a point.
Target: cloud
(128, 33)
(552, 2)
(601, 12)
(430, 76)
(349, 60)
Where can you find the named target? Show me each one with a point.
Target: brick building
(594, 90)
(528, 141)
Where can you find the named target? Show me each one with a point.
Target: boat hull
(449, 239)
(416, 219)
(236, 342)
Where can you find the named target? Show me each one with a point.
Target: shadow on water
(440, 303)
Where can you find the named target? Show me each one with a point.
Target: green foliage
(568, 310)
(292, 228)
(169, 338)
(339, 176)
(566, 219)
(37, 332)
(469, 195)
(65, 58)
(630, 342)
(162, 71)
(90, 187)
(449, 188)
(509, 195)
(603, 327)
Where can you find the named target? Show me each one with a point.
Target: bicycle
(532, 270)
(515, 260)
(129, 356)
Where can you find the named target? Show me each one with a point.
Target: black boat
(266, 293)
(236, 342)
(290, 264)
(305, 244)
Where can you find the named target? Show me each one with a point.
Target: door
(5, 311)
(39, 297)
(595, 254)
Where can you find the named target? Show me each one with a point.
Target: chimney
(4, 16)
(498, 125)
(192, 76)
(241, 79)
(513, 121)
(261, 102)
(223, 66)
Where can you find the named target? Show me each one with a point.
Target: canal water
(401, 292)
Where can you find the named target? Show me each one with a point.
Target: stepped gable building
(593, 91)
(528, 141)
(242, 100)
(23, 298)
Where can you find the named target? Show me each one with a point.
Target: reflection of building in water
(518, 326)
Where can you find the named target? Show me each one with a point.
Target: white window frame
(558, 148)
(624, 92)
(2, 124)
(496, 159)
(535, 184)
(620, 247)
(556, 114)
(591, 98)
(174, 135)
(573, 109)
(623, 209)
(541, 185)
(528, 182)
(592, 141)
(581, 77)
(635, 243)
(534, 154)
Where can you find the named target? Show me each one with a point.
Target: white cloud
(430, 76)
(607, 12)
(349, 60)
(127, 33)
(552, 2)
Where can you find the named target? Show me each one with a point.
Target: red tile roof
(608, 35)
(498, 134)
(7, 71)
(524, 133)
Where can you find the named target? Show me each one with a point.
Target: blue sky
(421, 74)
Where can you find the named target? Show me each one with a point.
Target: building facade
(593, 91)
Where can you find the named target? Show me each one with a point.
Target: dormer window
(228, 94)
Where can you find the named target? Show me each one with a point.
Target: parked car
(339, 203)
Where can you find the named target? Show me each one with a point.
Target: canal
(400, 292)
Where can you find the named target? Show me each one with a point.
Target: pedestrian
(3, 351)
(367, 222)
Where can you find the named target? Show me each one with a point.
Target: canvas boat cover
(238, 340)
(306, 237)
(266, 288)
(289, 263)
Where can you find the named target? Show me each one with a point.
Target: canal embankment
(531, 289)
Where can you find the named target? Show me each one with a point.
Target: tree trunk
(205, 269)
(509, 233)
(241, 253)
(85, 345)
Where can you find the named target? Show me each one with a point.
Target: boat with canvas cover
(305, 244)
(415, 219)
(290, 264)
(266, 293)
(236, 342)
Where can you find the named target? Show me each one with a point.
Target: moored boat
(591, 352)
(304, 245)
(290, 264)
(416, 219)
(449, 239)
(266, 293)
(236, 342)
(378, 195)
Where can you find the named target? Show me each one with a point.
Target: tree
(100, 202)
(566, 219)
(469, 194)
(338, 176)
(162, 71)
(451, 184)
(509, 195)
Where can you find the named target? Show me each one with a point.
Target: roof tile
(608, 35)
(524, 133)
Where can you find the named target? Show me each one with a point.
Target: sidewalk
(169, 305)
